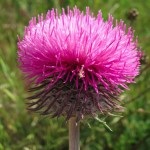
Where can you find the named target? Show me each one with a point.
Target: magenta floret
(77, 63)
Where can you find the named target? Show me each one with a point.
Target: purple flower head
(76, 63)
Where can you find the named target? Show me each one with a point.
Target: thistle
(77, 64)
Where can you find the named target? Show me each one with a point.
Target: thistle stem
(74, 134)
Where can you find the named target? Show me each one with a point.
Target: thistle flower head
(77, 63)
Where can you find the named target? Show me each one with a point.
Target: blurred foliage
(21, 130)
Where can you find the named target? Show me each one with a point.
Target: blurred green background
(21, 130)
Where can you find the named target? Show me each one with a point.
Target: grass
(21, 130)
